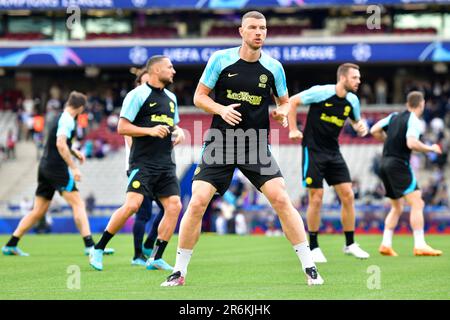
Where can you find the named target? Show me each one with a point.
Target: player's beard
(167, 81)
(349, 88)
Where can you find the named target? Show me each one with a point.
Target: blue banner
(216, 4)
(138, 55)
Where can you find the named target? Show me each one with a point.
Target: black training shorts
(398, 177)
(153, 184)
(320, 165)
(54, 179)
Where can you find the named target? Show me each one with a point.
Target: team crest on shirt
(262, 81)
(136, 184)
(172, 106)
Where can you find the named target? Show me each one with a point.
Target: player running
(400, 133)
(58, 172)
(330, 106)
(243, 78)
(142, 251)
(150, 115)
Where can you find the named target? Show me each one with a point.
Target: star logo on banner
(362, 52)
(138, 55)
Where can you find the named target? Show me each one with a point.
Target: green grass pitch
(226, 267)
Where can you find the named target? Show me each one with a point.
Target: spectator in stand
(38, 133)
(109, 102)
(379, 191)
(98, 149)
(356, 186)
(381, 91)
(429, 191)
(27, 118)
(366, 94)
(221, 223)
(89, 149)
(240, 224)
(441, 197)
(2, 153)
(90, 203)
(10, 145)
(83, 124)
(112, 122)
(25, 206)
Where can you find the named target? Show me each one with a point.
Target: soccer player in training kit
(142, 251)
(149, 114)
(330, 106)
(243, 78)
(400, 133)
(58, 172)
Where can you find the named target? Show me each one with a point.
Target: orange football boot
(387, 251)
(427, 251)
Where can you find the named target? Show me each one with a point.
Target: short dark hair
(414, 99)
(139, 76)
(154, 59)
(252, 14)
(76, 100)
(343, 69)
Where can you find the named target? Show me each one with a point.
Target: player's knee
(131, 207)
(174, 206)
(348, 197)
(419, 204)
(198, 205)
(79, 204)
(316, 200)
(398, 209)
(280, 201)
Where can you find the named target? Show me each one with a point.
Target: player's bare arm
(79, 155)
(416, 145)
(360, 127)
(280, 114)
(294, 133)
(377, 132)
(64, 151)
(128, 141)
(179, 135)
(203, 101)
(126, 128)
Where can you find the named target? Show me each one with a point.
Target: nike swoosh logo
(328, 104)
(153, 104)
(232, 75)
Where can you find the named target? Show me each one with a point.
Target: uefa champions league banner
(138, 55)
(213, 4)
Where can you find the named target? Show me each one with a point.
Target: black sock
(13, 242)
(313, 243)
(158, 251)
(138, 236)
(106, 236)
(349, 237)
(88, 242)
(150, 242)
